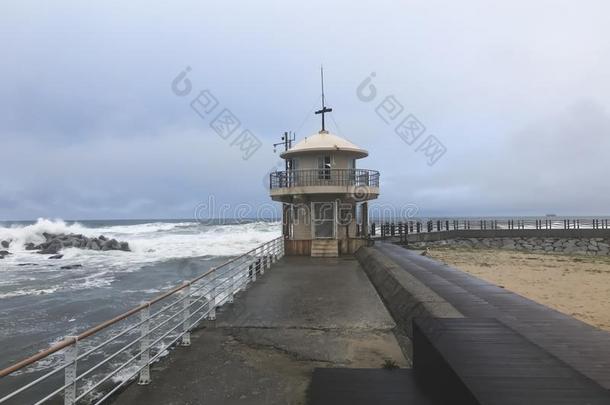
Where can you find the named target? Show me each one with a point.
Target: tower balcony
(359, 184)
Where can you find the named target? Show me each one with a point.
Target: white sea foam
(149, 242)
(29, 291)
(33, 233)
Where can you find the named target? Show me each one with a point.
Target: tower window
(324, 166)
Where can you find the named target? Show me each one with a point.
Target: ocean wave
(29, 291)
(150, 242)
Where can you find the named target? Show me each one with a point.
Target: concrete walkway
(303, 313)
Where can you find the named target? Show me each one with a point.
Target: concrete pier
(303, 313)
(318, 331)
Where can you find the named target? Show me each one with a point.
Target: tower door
(323, 223)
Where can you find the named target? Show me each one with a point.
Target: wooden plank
(583, 347)
(336, 386)
(482, 361)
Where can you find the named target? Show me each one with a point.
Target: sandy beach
(575, 285)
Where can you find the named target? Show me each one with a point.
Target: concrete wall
(339, 160)
(404, 295)
(351, 246)
(297, 247)
(303, 247)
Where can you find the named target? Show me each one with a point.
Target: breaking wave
(150, 242)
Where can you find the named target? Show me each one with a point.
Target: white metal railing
(102, 359)
(323, 177)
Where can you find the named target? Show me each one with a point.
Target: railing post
(212, 305)
(145, 345)
(70, 356)
(232, 288)
(276, 250)
(272, 250)
(186, 316)
(263, 260)
(255, 267)
(268, 250)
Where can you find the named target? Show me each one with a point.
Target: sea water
(41, 303)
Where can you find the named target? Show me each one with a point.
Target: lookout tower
(324, 195)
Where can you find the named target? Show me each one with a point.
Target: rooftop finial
(324, 108)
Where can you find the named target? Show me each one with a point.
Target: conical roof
(325, 141)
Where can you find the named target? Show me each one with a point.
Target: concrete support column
(286, 220)
(364, 210)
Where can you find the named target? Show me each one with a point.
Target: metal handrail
(212, 289)
(324, 177)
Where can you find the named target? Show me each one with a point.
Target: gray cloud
(517, 92)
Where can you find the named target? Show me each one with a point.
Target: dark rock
(56, 257)
(27, 264)
(71, 266)
(111, 244)
(51, 248)
(4, 253)
(95, 244)
(5, 243)
(55, 242)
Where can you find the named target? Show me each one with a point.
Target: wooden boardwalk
(357, 386)
(482, 361)
(584, 348)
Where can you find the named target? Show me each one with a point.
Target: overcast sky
(516, 91)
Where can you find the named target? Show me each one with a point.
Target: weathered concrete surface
(303, 313)
(403, 294)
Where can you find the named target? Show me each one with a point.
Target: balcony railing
(324, 177)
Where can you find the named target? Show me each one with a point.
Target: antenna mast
(324, 108)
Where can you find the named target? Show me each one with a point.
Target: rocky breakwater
(585, 246)
(55, 242)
